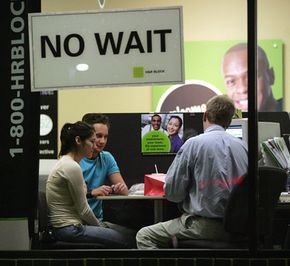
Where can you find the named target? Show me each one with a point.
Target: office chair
(286, 243)
(45, 239)
(271, 182)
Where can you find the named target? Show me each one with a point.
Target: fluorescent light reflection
(82, 67)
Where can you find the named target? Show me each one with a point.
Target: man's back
(200, 179)
(207, 166)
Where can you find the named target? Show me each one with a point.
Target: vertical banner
(19, 114)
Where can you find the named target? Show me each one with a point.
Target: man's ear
(204, 117)
(271, 75)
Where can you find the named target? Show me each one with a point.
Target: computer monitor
(266, 130)
(239, 128)
(236, 131)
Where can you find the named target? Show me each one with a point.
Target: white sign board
(107, 48)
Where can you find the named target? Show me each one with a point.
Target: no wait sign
(106, 48)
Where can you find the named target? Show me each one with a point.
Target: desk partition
(158, 203)
(124, 143)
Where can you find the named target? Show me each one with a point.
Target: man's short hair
(220, 110)
(95, 118)
(261, 54)
(156, 115)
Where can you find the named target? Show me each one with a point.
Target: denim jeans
(110, 238)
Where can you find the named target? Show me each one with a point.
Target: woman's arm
(78, 194)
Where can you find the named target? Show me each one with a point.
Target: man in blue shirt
(101, 166)
(200, 180)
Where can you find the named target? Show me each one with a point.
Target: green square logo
(138, 72)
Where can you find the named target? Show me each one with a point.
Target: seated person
(100, 169)
(200, 180)
(70, 215)
(101, 166)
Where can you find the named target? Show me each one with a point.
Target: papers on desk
(275, 153)
(284, 197)
(137, 193)
(136, 190)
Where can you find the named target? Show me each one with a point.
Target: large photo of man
(235, 74)
(220, 67)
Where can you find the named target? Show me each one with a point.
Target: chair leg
(174, 242)
(286, 244)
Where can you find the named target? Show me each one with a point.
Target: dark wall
(125, 144)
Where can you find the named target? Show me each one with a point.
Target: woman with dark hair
(173, 127)
(69, 213)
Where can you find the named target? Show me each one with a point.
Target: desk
(158, 203)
